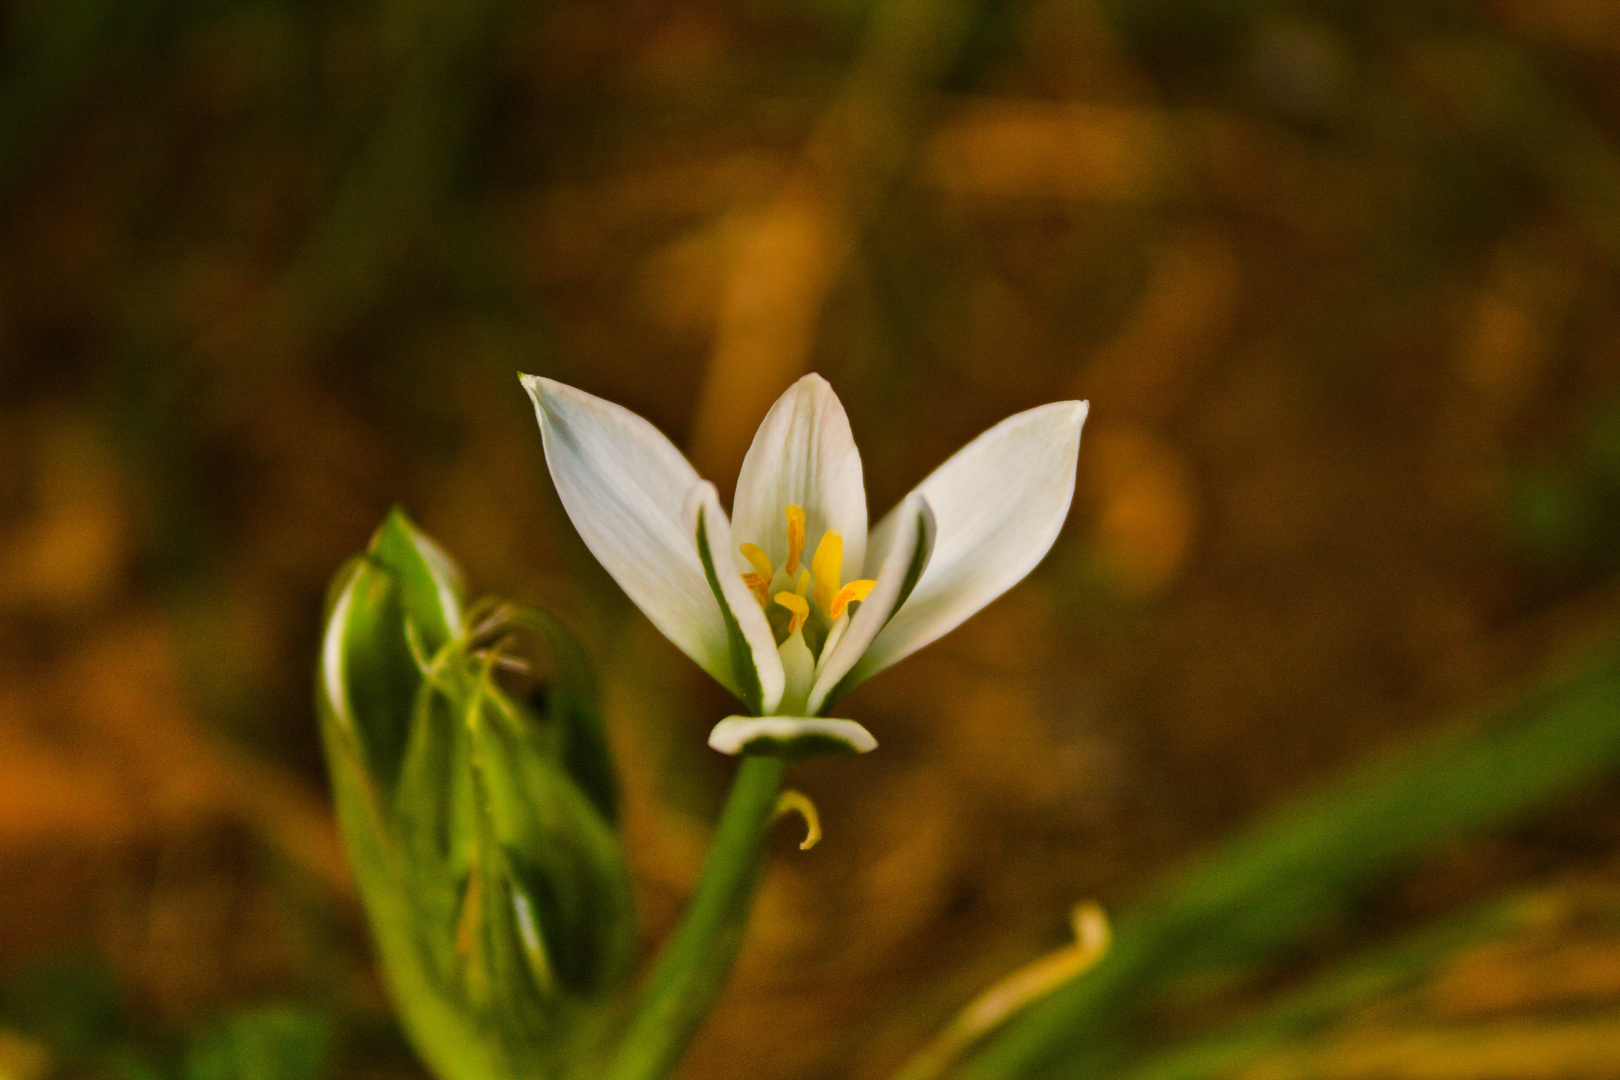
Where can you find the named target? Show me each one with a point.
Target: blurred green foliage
(1286, 880)
(74, 1008)
(267, 1042)
(1566, 517)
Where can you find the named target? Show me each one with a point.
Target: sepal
(792, 737)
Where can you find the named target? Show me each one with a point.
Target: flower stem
(694, 965)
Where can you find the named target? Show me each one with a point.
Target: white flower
(790, 603)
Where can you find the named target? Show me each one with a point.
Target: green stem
(694, 965)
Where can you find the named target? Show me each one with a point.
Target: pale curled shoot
(796, 802)
(1028, 984)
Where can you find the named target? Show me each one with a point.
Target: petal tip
(540, 388)
(1073, 411)
(812, 385)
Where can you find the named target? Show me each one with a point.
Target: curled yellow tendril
(795, 802)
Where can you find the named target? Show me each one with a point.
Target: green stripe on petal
(756, 667)
(901, 545)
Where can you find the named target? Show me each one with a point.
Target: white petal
(756, 667)
(803, 455)
(999, 503)
(624, 486)
(896, 558)
(792, 736)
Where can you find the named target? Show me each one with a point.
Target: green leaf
(1377, 973)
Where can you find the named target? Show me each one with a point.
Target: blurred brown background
(1338, 278)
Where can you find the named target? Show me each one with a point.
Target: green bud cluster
(481, 822)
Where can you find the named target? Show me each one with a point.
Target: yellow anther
(800, 608)
(794, 802)
(802, 586)
(795, 520)
(760, 587)
(758, 582)
(854, 590)
(758, 559)
(827, 566)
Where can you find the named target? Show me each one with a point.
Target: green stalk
(694, 965)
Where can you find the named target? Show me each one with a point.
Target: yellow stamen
(760, 587)
(758, 559)
(854, 590)
(798, 606)
(795, 520)
(802, 586)
(827, 566)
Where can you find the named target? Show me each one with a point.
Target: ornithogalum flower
(790, 602)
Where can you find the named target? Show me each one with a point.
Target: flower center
(811, 596)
